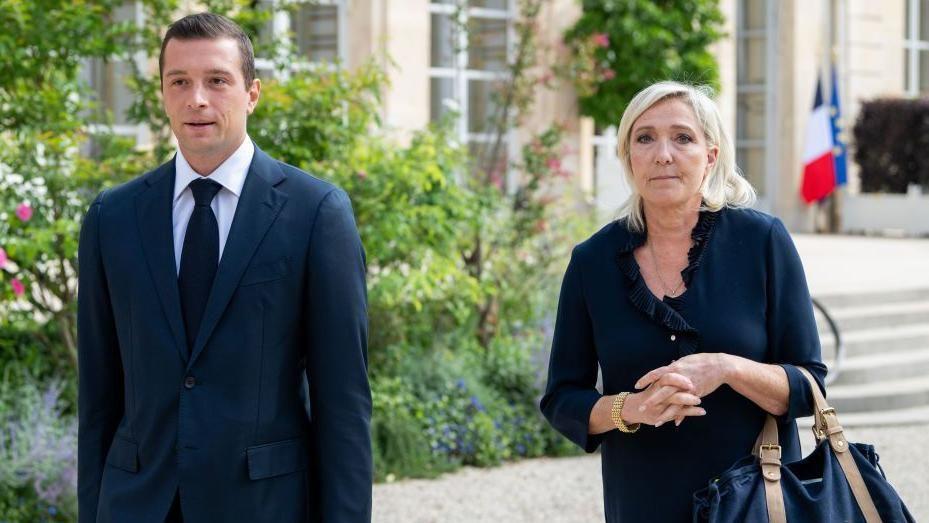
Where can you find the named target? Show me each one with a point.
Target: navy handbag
(838, 482)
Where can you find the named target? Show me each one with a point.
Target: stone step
(883, 395)
(836, 301)
(878, 340)
(909, 416)
(882, 367)
(850, 319)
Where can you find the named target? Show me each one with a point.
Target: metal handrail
(836, 366)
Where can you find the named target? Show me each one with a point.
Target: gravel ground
(527, 492)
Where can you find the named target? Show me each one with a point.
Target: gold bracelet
(616, 414)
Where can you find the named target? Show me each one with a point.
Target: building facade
(769, 62)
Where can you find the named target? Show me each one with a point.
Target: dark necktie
(199, 257)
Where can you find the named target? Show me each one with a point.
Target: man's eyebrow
(174, 72)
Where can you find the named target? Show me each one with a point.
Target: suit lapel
(155, 222)
(259, 205)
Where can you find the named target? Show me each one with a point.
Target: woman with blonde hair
(695, 309)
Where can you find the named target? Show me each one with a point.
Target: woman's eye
(644, 139)
(684, 138)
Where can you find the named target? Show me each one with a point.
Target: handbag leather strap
(826, 425)
(768, 450)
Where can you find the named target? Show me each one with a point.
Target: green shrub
(891, 137)
(38, 453)
(619, 48)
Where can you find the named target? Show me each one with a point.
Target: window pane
(443, 36)
(752, 162)
(487, 45)
(441, 97)
(481, 106)
(923, 20)
(753, 64)
(753, 14)
(108, 82)
(489, 4)
(751, 116)
(906, 19)
(906, 69)
(923, 73)
(316, 31)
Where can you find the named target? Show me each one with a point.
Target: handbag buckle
(776, 448)
(819, 429)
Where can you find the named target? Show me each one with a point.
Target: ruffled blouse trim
(666, 312)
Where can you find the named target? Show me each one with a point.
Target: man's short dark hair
(211, 26)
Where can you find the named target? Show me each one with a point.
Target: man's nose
(197, 98)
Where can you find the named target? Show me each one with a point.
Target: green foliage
(620, 47)
(462, 272)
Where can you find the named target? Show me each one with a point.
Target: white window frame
(766, 200)
(280, 27)
(139, 132)
(462, 75)
(912, 45)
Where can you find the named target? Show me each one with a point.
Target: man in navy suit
(222, 321)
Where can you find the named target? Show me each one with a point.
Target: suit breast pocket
(265, 272)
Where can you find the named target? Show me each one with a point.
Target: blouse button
(673, 337)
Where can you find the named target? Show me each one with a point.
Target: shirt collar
(230, 174)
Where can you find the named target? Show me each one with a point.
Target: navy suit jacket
(268, 417)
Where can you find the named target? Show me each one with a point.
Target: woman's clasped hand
(674, 392)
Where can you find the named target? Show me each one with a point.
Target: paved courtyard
(568, 490)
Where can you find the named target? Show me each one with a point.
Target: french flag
(818, 159)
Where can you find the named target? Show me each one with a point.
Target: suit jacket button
(189, 382)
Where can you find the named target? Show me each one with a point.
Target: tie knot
(204, 190)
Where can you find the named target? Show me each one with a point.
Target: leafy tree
(621, 46)
(45, 180)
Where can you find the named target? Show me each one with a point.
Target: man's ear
(254, 93)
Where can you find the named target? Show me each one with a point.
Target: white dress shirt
(230, 174)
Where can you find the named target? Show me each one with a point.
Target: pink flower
(18, 287)
(601, 39)
(3, 258)
(24, 212)
(496, 179)
(361, 175)
(554, 164)
(609, 74)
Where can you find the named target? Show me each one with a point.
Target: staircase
(884, 376)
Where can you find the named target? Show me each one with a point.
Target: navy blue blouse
(746, 295)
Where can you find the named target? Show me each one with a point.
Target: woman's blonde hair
(724, 186)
